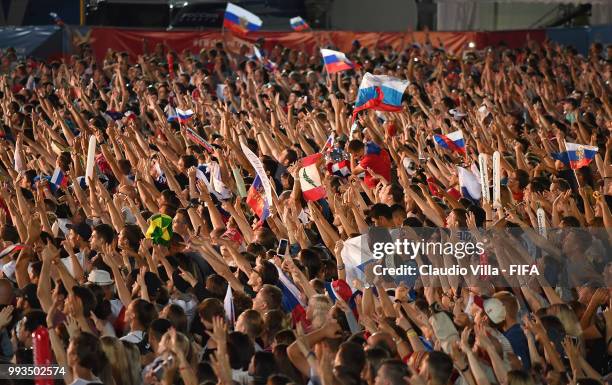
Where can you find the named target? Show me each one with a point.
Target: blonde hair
(319, 305)
(133, 356)
(183, 343)
(117, 358)
(568, 318)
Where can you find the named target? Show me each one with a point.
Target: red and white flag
(310, 180)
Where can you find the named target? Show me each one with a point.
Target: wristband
(410, 333)
(310, 354)
(465, 369)
(341, 267)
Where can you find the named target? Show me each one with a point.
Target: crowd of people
(168, 264)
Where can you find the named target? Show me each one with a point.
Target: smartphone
(283, 246)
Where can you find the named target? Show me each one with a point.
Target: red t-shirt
(380, 164)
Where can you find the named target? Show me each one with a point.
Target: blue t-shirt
(517, 339)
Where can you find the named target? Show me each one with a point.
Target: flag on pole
(239, 20)
(580, 155)
(259, 197)
(298, 24)
(380, 92)
(310, 180)
(336, 61)
(329, 144)
(340, 168)
(11, 248)
(453, 141)
(256, 199)
(184, 115)
(265, 62)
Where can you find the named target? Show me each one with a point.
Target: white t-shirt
(68, 262)
(134, 337)
(80, 381)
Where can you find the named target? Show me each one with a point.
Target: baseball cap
(495, 310)
(83, 229)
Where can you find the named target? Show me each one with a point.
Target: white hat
(100, 277)
(495, 310)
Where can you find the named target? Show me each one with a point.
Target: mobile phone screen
(283, 244)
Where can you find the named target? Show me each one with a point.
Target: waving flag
(380, 92)
(580, 155)
(256, 199)
(329, 143)
(194, 137)
(453, 141)
(58, 180)
(336, 61)
(259, 196)
(184, 115)
(265, 62)
(310, 180)
(298, 24)
(11, 248)
(239, 20)
(469, 183)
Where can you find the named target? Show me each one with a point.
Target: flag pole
(573, 169)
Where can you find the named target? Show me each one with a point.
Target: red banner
(136, 41)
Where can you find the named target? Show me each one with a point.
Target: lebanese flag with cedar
(310, 180)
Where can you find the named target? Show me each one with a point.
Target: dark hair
(240, 350)
(522, 177)
(159, 327)
(352, 357)
(263, 366)
(355, 145)
(268, 273)
(440, 366)
(33, 319)
(134, 235)
(106, 232)
(145, 312)
(210, 308)
(87, 298)
(272, 295)
(177, 317)
(381, 210)
(395, 371)
(89, 353)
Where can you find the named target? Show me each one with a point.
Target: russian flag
(329, 144)
(298, 24)
(336, 61)
(184, 115)
(453, 141)
(194, 137)
(310, 180)
(380, 92)
(58, 179)
(256, 200)
(239, 20)
(470, 184)
(291, 301)
(11, 248)
(580, 155)
(267, 64)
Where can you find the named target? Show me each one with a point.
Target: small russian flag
(184, 115)
(267, 64)
(58, 180)
(239, 20)
(298, 24)
(191, 134)
(329, 144)
(256, 199)
(580, 155)
(453, 141)
(336, 61)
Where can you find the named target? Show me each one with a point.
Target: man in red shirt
(369, 156)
